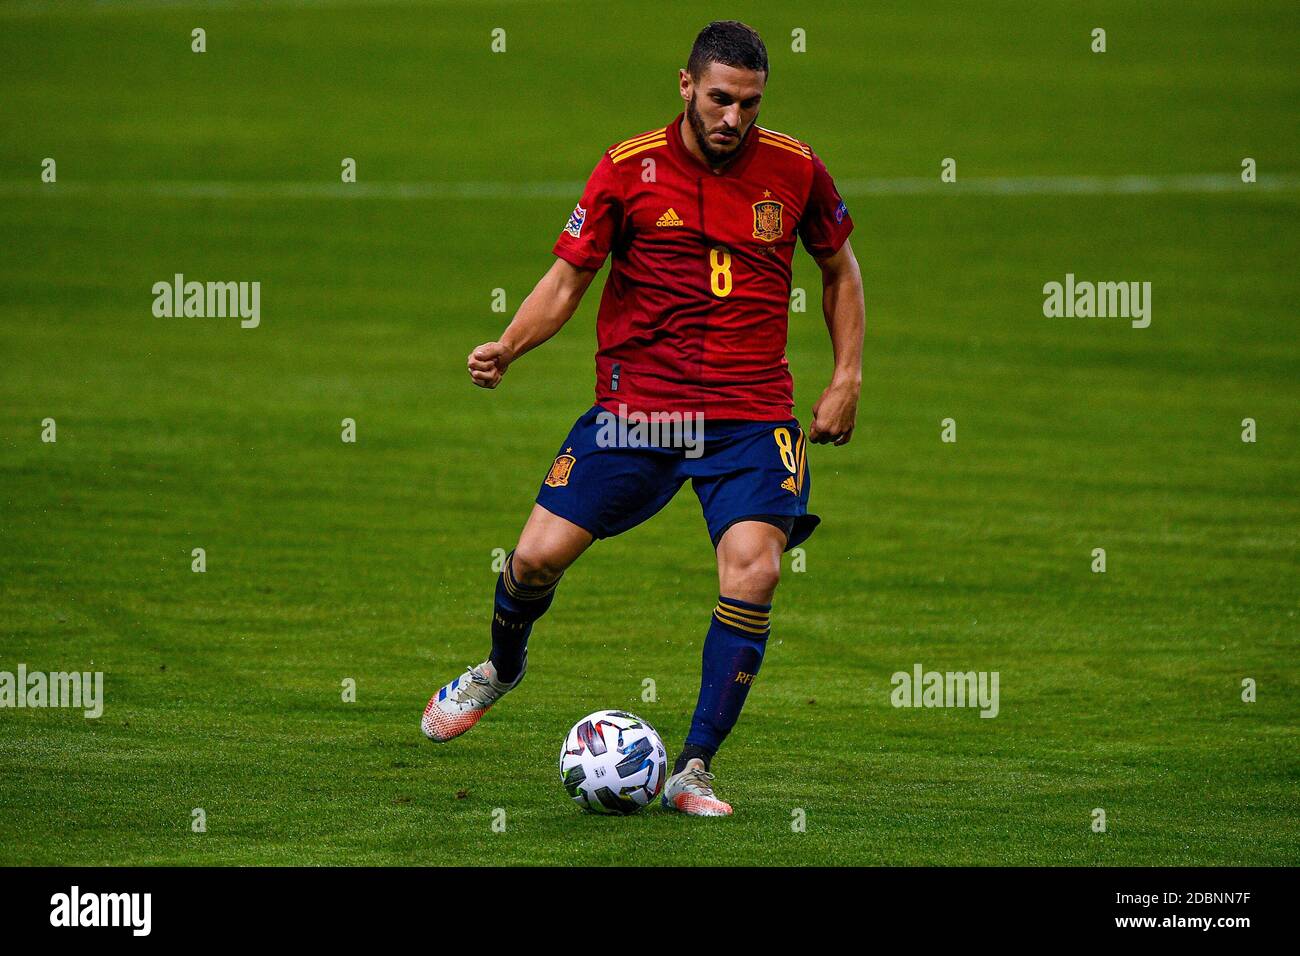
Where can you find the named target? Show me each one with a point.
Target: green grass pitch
(372, 561)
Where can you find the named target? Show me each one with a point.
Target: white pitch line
(1204, 183)
(36, 8)
(179, 189)
(1069, 185)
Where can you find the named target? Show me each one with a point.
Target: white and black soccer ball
(613, 762)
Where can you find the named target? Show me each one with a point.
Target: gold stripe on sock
(722, 616)
(524, 592)
(759, 617)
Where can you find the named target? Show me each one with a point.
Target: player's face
(721, 106)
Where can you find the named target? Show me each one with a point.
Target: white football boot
(460, 705)
(691, 792)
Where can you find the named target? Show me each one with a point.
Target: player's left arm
(844, 306)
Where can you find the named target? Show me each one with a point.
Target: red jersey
(694, 314)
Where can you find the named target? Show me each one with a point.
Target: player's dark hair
(730, 43)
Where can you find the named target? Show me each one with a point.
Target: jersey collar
(733, 168)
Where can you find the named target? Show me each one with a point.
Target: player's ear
(684, 84)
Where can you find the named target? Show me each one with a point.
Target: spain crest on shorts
(559, 473)
(767, 220)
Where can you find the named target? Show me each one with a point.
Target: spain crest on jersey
(559, 473)
(767, 220)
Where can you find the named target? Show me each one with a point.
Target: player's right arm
(551, 303)
(580, 252)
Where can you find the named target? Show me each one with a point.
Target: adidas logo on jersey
(670, 218)
(790, 486)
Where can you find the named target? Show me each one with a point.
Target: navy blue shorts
(609, 476)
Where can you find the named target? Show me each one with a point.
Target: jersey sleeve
(595, 222)
(825, 223)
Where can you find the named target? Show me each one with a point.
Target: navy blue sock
(733, 652)
(515, 609)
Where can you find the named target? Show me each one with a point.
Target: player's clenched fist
(835, 414)
(488, 363)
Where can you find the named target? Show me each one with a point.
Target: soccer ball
(612, 762)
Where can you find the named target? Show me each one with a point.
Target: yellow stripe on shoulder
(773, 138)
(784, 144)
(638, 139)
(635, 148)
(785, 136)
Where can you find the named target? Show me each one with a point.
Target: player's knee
(755, 576)
(764, 577)
(533, 566)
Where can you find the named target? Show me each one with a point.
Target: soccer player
(700, 219)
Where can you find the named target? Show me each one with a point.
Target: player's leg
(592, 491)
(749, 568)
(526, 586)
(753, 484)
(524, 591)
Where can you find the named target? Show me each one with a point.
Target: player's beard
(714, 157)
